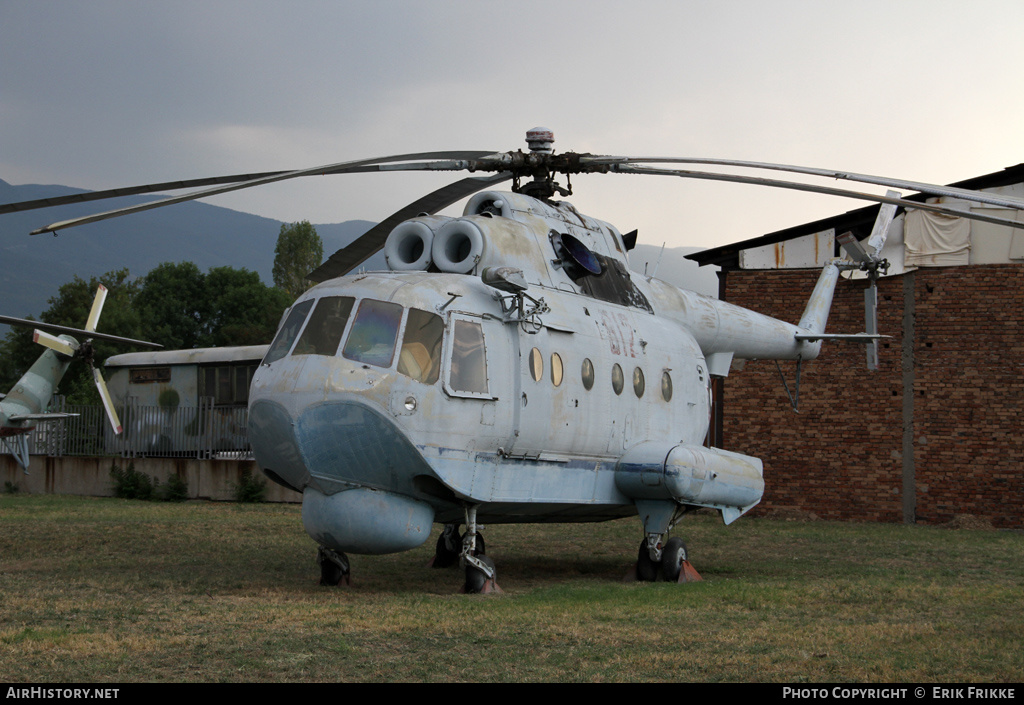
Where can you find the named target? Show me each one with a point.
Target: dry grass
(104, 590)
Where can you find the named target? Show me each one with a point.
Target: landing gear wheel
(480, 548)
(477, 581)
(446, 552)
(646, 569)
(449, 547)
(672, 558)
(334, 567)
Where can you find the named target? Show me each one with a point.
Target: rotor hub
(540, 139)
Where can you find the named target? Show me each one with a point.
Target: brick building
(938, 429)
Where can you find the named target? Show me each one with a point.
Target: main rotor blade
(372, 241)
(828, 190)
(129, 191)
(52, 328)
(451, 161)
(932, 189)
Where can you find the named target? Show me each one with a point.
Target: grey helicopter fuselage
(393, 400)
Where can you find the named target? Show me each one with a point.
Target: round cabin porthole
(666, 386)
(587, 372)
(638, 382)
(617, 378)
(556, 369)
(536, 365)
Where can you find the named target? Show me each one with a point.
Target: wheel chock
(490, 587)
(688, 574)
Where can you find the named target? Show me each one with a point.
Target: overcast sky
(110, 93)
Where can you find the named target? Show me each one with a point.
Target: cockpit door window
(289, 331)
(466, 374)
(374, 332)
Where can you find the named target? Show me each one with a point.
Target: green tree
(174, 306)
(182, 308)
(299, 251)
(243, 311)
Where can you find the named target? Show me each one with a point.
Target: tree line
(175, 305)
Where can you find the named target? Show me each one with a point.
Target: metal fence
(203, 431)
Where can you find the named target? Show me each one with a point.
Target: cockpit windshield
(420, 357)
(286, 336)
(373, 335)
(323, 332)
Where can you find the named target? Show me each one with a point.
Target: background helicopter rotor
(70, 347)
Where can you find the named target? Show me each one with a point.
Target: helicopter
(509, 367)
(25, 405)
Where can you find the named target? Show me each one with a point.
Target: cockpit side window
(289, 331)
(468, 361)
(325, 327)
(374, 331)
(420, 357)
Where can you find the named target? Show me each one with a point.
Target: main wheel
(331, 572)
(672, 558)
(646, 569)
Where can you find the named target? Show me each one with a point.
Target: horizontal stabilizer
(853, 337)
(41, 417)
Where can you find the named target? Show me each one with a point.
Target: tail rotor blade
(880, 230)
(871, 323)
(97, 308)
(108, 403)
(870, 260)
(54, 343)
(854, 248)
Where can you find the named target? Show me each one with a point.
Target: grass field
(106, 590)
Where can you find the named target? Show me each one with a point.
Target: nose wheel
(448, 549)
(481, 576)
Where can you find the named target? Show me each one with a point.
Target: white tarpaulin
(935, 240)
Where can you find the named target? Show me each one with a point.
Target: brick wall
(842, 455)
